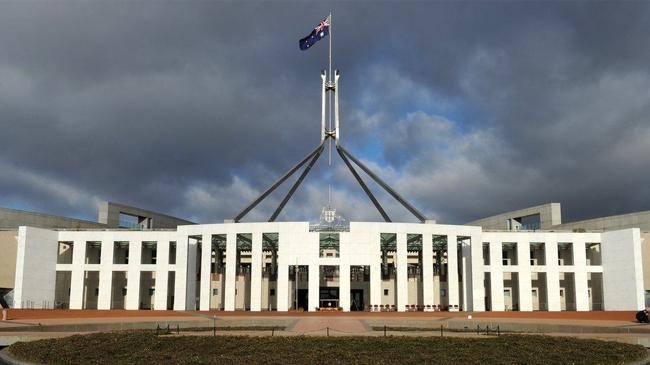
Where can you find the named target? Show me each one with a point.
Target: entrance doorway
(356, 300)
(507, 299)
(303, 299)
(329, 297)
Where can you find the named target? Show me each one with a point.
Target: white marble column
(162, 275)
(180, 275)
(427, 269)
(282, 292)
(496, 275)
(231, 271)
(525, 277)
(344, 287)
(581, 279)
(133, 276)
(452, 266)
(314, 287)
(77, 275)
(552, 276)
(205, 287)
(476, 272)
(402, 274)
(466, 253)
(105, 273)
(256, 273)
(190, 292)
(375, 283)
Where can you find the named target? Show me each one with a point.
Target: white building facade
(372, 266)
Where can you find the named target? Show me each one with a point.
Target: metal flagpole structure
(329, 85)
(331, 35)
(296, 185)
(329, 163)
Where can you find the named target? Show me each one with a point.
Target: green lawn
(144, 347)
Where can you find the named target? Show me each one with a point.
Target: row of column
(133, 269)
(344, 276)
(552, 276)
(453, 289)
(472, 286)
(230, 279)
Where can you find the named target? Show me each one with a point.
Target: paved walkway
(349, 326)
(33, 324)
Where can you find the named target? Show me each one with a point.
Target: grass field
(144, 347)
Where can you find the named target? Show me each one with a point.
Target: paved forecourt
(25, 325)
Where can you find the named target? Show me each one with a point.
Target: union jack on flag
(319, 32)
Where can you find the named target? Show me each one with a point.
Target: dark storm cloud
(193, 108)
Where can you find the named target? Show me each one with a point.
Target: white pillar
(105, 273)
(552, 276)
(452, 266)
(525, 277)
(133, 276)
(190, 292)
(580, 264)
(375, 283)
(314, 287)
(496, 276)
(231, 271)
(182, 268)
(77, 276)
(402, 274)
(427, 269)
(466, 252)
(162, 274)
(344, 287)
(206, 260)
(476, 272)
(282, 292)
(256, 273)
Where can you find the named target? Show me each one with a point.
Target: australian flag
(321, 30)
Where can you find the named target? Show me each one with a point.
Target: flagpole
(330, 94)
(331, 35)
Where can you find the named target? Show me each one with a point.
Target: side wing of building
(125, 216)
(538, 217)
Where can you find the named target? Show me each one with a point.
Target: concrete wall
(645, 259)
(8, 250)
(35, 268)
(550, 215)
(108, 217)
(109, 214)
(13, 218)
(639, 220)
(622, 270)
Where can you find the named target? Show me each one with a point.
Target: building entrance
(329, 297)
(303, 299)
(356, 300)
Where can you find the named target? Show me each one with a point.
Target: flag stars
(318, 33)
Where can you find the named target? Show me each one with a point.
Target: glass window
(329, 244)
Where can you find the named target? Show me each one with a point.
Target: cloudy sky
(193, 108)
